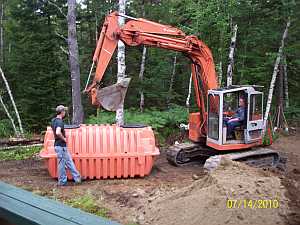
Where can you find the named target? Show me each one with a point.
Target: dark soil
(289, 146)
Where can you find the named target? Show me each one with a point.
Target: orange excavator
(207, 130)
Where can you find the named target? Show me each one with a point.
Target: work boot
(61, 184)
(78, 181)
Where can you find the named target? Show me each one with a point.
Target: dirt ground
(289, 147)
(181, 195)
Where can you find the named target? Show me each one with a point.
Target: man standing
(237, 119)
(64, 158)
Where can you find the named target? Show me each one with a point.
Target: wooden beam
(21, 207)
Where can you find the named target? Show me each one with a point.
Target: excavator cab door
(254, 125)
(215, 117)
(222, 104)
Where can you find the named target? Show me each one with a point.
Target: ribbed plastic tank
(105, 151)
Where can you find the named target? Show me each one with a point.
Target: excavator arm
(138, 31)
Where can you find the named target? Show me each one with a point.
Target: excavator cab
(222, 104)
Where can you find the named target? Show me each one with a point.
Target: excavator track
(259, 157)
(181, 154)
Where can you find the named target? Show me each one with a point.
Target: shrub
(6, 129)
(292, 112)
(163, 122)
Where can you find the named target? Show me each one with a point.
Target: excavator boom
(138, 31)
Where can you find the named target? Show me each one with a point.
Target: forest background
(34, 55)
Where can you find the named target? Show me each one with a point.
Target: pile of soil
(205, 200)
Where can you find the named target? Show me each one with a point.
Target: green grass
(88, 204)
(19, 153)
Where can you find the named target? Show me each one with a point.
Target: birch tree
(74, 63)
(275, 71)
(220, 73)
(12, 101)
(141, 77)
(187, 101)
(9, 117)
(1, 34)
(142, 67)
(286, 85)
(172, 80)
(279, 119)
(121, 62)
(231, 56)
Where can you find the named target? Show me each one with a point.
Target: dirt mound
(211, 199)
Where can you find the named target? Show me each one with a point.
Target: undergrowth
(164, 123)
(88, 204)
(6, 129)
(19, 153)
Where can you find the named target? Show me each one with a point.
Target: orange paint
(229, 147)
(140, 31)
(194, 127)
(105, 151)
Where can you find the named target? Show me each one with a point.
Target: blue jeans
(64, 160)
(231, 126)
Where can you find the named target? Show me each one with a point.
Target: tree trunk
(220, 73)
(96, 29)
(172, 80)
(187, 102)
(142, 68)
(74, 63)
(279, 84)
(220, 55)
(275, 71)
(1, 34)
(121, 62)
(231, 56)
(141, 76)
(279, 117)
(12, 101)
(9, 116)
(286, 84)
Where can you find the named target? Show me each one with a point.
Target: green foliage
(267, 140)
(163, 122)
(37, 67)
(19, 153)
(153, 117)
(6, 129)
(292, 112)
(88, 204)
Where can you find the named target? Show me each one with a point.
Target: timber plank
(21, 205)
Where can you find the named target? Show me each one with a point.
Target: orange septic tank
(105, 151)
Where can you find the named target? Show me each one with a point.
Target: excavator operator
(236, 120)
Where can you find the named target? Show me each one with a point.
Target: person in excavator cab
(236, 120)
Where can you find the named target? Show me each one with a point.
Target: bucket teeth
(112, 97)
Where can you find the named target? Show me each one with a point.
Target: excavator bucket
(112, 97)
